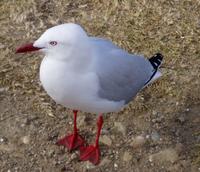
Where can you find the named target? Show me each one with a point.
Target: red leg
(92, 152)
(74, 140)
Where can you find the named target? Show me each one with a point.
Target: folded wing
(121, 75)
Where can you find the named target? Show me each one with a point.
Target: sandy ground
(158, 131)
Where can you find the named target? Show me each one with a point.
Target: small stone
(81, 120)
(89, 165)
(167, 155)
(154, 112)
(51, 114)
(147, 136)
(7, 147)
(181, 119)
(177, 132)
(105, 140)
(51, 153)
(104, 131)
(179, 148)
(26, 140)
(158, 119)
(138, 141)
(28, 120)
(3, 90)
(55, 162)
(120, 127)
(104, 162)
(25, 122)
(115, 165)
(155, 136)
(63, 168)
(52, 136)
(3, 140)
(198, 139)
(127, 157)
(2, 46)
(73, 156)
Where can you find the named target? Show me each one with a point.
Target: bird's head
(57, 40)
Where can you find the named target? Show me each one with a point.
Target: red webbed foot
(92, 152)
(71, 142)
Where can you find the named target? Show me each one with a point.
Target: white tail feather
(155, 77)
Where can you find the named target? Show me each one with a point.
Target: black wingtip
(156, 60)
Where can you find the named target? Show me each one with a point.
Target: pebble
(120, 127)
(28, 120)
(63, 168)
(127, 157)
(147, 136)
(51, 152)
(81, 119)
(155, 136)
(166, 155)
(3, 139)
(2, 46)
(105, 140)
(51, 114)
(103, 162)
(73, 156)
(3, 90)
(115, 165)
(7, 147)
(25, 140)
(154, 112)
(187, 110)
(53, 135)
(157, 120)
(138, 141)
(105, 131)
(179, 148)
(198, 139)
(182, 164)
(181, 119)
(89, 165)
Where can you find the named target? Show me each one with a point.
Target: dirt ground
(157, 132)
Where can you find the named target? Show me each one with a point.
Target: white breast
(72, 89)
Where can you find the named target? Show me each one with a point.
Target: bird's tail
(155, 61)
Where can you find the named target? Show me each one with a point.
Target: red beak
(27, 48)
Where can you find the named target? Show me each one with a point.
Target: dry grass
(140, 26)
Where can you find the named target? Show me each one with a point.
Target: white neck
(77, 58)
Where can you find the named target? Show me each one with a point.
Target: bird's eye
(53, 43)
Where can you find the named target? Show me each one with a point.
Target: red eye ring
(53, 43)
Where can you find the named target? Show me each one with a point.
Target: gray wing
(121, 75)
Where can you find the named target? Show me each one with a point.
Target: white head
(59, 41)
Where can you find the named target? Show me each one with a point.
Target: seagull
(89, 74)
